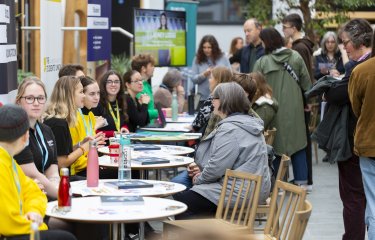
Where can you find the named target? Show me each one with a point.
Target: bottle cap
(34, 226)
(64, 172)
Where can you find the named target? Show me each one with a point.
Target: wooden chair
(312, 126)
(300, 221)
(269, 136)
(234, 212)
(263, 209)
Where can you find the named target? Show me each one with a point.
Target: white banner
(8, 53)
(97, 22)
(94, 10)
(51, 42)
(4, 14)
(3, 34)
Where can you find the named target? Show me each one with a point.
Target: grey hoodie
(238, 144)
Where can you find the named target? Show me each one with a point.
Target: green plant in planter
(121, 63)
(22, 75)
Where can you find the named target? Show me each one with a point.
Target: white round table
(159, 189)
(90, 209)
(164, 149)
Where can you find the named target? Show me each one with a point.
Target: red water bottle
(92, 166)
(64, 195)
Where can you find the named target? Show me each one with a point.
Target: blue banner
(99, 39)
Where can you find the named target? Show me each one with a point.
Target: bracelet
(82, 149)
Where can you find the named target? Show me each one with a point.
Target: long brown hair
(233, 44)
(216, 51)
(262, 86)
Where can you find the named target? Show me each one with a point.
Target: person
(38, 160)
(136, 108)
(249, 54)
(112, 104)
(86, 123)
(264, 104)
(71, 70)
(361, 87)
(209, 55)
(288, 76)
(329, 61)
(218, 75)
(224, 149)
(356, 37)
(67, 97)
(235, 45)
(145, 65)
(20, 197)
(171, 83)
(163, 21)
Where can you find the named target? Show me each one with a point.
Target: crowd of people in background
(260, 85)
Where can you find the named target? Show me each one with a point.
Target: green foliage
(261, 10)
(121, 63)
(22, 75)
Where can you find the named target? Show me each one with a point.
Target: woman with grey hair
(330, 61)
(356, 36)
(237, 143)
(171, 82)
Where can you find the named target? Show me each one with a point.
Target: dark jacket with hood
(304, 47)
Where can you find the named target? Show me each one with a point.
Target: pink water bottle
(92, 166)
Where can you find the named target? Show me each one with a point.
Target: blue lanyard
(87, 130)
(18, 185)
(45, 156)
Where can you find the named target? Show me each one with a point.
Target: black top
(336, 62)
(247, 57)
(60, 129)
(101, 111)
(138, 113)
(36, 150)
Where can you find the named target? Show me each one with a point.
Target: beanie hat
(14, 122)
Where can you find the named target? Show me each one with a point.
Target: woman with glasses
(112, 105)
(329, 61)
(38, 160)
(137, 109)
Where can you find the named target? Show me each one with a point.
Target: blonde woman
(39, 159)
(67, 97)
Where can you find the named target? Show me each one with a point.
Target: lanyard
(88, 129)
(115, 119)
(18, 185)
(45, 156)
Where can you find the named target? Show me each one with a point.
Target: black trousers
(353, 198)
(198, 206)
(45, 235)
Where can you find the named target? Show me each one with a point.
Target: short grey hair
(172, 79)
(325, 38)
(359, 31)
(232, 98)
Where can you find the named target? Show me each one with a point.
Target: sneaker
(308, 188)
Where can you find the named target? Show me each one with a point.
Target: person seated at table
(112, 105)
(236, 144)
(67, 97)
(86, 124)
(171, 83)
(20, 197)
(137, 109)
(38, 160)
(218, 75)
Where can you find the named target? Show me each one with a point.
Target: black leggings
(45, 235)
(198, 206)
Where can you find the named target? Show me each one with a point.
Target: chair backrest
(285, 201)
(300, 221)
(269, 135)
(313, 116)
(283, 168)
(239, 198)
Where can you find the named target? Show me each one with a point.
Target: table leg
(141, 231)
(123, 231)
(142, 174)
(114, 231)
(158, 174)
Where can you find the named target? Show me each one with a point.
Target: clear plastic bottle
(34, 231)
(124, 163)
(92, 166)
(174, 107)
(64, 195)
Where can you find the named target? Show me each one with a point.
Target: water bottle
(34, 231)
(92, 166)
(64, 195)
(174, 107)
(124, 165)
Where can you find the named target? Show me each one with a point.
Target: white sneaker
(308, 188)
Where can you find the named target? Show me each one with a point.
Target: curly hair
(216, 51)
(359, 31)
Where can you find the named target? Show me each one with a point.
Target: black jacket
(242, 56)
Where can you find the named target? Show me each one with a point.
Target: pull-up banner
(8, 50)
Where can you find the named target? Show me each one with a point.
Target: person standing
(249, 54)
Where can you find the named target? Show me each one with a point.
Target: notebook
(128, 184)
(121, 200)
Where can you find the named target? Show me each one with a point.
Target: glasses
(137, 81)
(346, 42)
(31, 99)
(285, 26)
(113, 82)
(215, 98)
